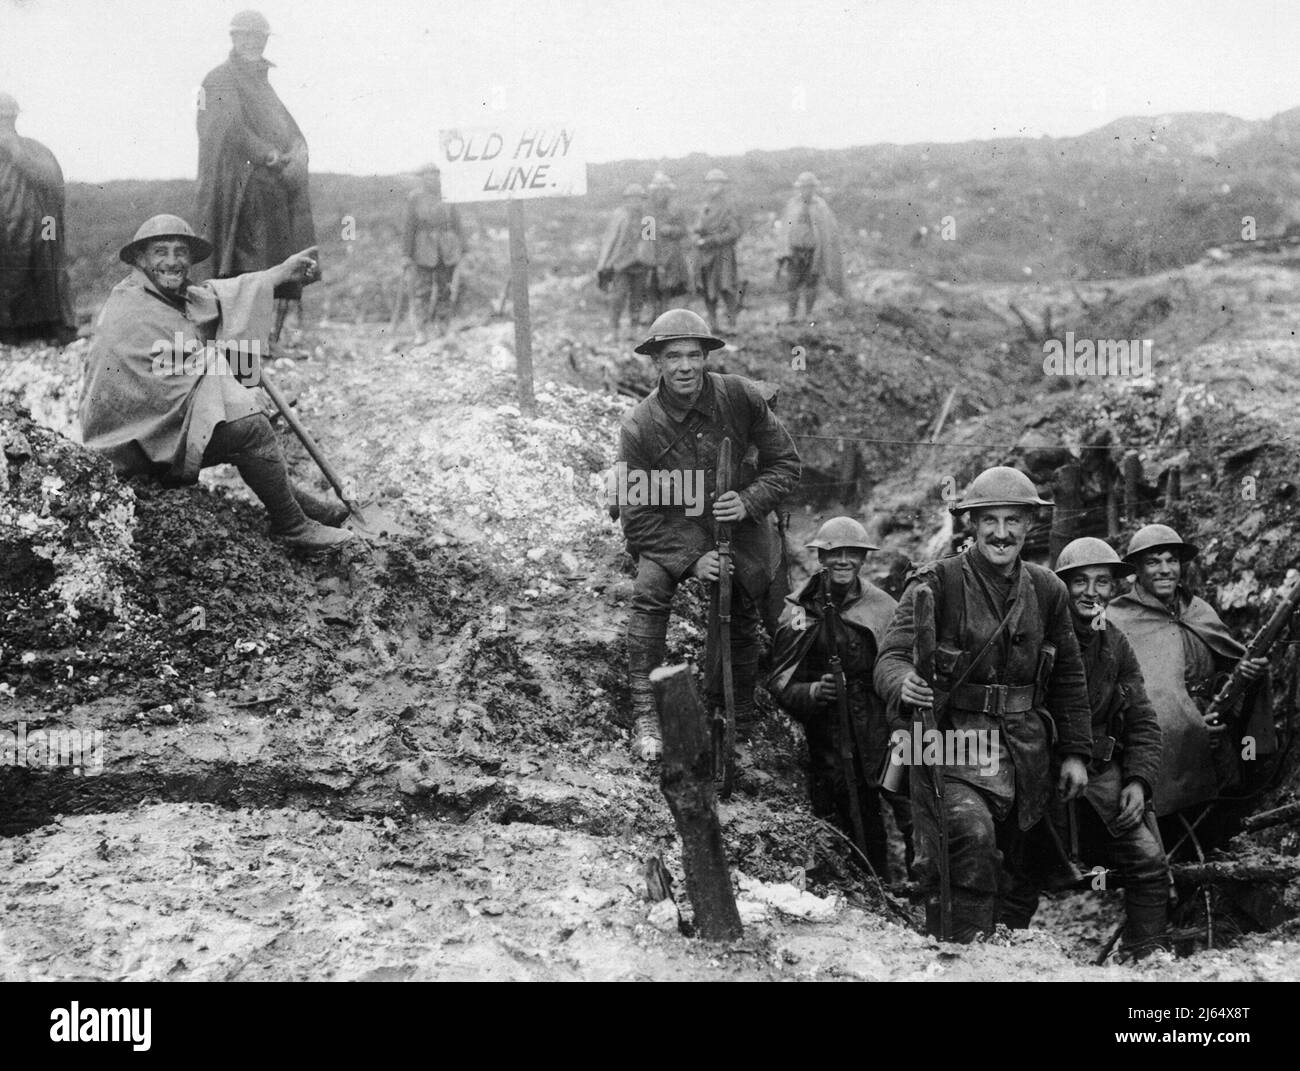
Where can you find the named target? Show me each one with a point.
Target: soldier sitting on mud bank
(160, 395)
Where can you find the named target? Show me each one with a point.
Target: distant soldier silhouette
(35, 295)
(253, 204)
(627, 258)
(433, 244)
(717, 230)
(810, 246)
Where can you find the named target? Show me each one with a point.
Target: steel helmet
(250, 22)
(661, 182)
(634, 189)
(840, 532)
(999, 486)
(806, 179)
(716, 175)
(1159, 537)
(165, 226)
(1089, 551)
(675, 324)
(8, 106)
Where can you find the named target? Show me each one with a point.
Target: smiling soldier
(840, 614)
(680, 427)
(1182, 647)
(1007, 666)
(153, 411)
(1117, 827)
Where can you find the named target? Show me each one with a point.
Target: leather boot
(972, 916)
(318, 507)
(644, 653)
(250, 445)
(1146, 928)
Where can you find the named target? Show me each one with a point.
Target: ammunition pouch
(1046, 662)
(949, 665)
(1103, 750)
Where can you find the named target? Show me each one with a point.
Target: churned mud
(411, 761)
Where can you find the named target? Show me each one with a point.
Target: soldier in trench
(839, 612)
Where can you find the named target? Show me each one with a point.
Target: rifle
(923, 662)
(1235, 686)
(724, 723)
(836, 666)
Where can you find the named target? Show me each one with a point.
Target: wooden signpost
(513, 163)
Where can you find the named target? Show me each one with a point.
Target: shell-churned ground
(412, 761)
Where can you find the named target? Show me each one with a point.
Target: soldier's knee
(652, 591)
(247, 436)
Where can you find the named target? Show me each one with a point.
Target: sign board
(511, 162)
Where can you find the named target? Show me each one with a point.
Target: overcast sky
(109, 85)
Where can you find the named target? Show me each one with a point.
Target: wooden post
(1112, 499)
(519, 297)
(1067, 487)
(686, 779)
(1132, 474)
(1173, 489)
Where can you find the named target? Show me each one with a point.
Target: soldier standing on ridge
(810, 246)
(717, 230)
(35, 293)
(627, 256)
(671, 276)
(433, 244)
(252, 201)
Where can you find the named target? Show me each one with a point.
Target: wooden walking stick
(304, 436)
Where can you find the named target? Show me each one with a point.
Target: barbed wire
(881, 441)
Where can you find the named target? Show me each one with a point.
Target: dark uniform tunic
(667, 540)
